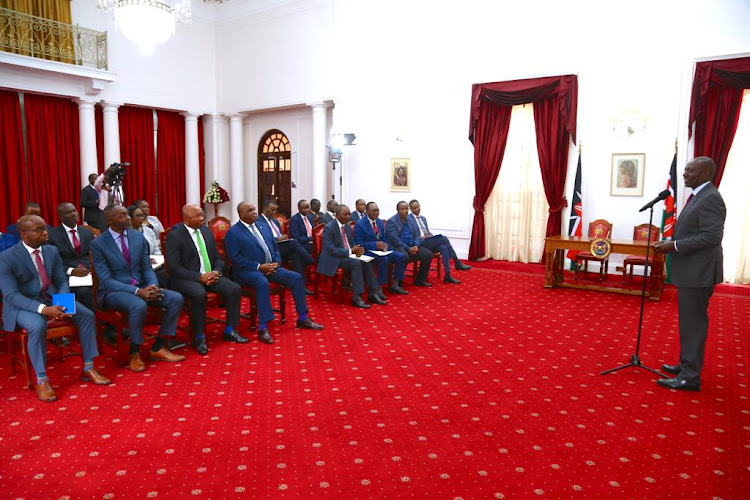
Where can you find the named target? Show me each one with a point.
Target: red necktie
(375, 228)
(344, 238)
(689, 198)
(41, 270)
(76, 243)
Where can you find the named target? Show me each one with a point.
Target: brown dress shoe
(94, 376)
(136, 364)
(45, 393)
(164, 354)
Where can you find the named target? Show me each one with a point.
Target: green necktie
(204, 253)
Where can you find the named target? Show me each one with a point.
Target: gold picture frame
(627, 174)
(400, 173)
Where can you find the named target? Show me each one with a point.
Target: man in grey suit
(697, 265)
(30, 273)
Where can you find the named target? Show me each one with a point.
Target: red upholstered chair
(599, 228)
(337, 279)
(219, 226)
(94, 230)
(640, 233)
(18, 341)
(284, 222)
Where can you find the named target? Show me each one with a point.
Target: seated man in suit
(359, 210)
(30, 208)
(370, 233)
(152, 221)
(90, 203)
(437, 243)
(330, 214)
(72, 241)
(337, 248)
(127, 283)
(315, 211)
(403, 236)
(256, 261)
(30, 273)
(7, 241)
(290, 248)
(195, 267)
(301, 225)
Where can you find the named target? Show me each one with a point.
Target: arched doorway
(275, 170)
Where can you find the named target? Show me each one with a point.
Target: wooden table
(555, 248)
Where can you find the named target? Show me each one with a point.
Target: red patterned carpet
(490, 389)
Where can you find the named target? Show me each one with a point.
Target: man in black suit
(195, 267)
(290, 249)
(90, 203)
(697, 265)
(315, 211)
(72, 241)
(330, 215)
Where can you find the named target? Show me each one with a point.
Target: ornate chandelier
(147, 23)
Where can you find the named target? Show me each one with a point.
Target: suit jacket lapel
(114, 247)
(25, 257)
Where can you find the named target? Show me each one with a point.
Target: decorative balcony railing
(45, 39)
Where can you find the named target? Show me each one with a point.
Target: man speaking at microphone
(697, 265)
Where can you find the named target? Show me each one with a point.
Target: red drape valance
(715, 107)
(12, 163)
(555, 102)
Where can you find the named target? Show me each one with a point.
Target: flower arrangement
(215, 195)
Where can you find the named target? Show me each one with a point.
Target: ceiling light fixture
(147, 23)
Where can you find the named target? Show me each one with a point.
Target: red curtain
(715, 107)
(170, 166)
(137, 147)
(555, 112)
(201, 158)
(53, 147)
(12, 162)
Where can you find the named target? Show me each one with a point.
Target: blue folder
(66, 300)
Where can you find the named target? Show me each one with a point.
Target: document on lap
(65, 300)
(433, 236)
(364, 258)
(157, 261)
(381, 253)
(74, 281)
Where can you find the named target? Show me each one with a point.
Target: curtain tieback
(477, 209)
(558, 208)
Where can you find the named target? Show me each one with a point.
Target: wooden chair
(600, 228)
(119, 322)
(219, 226)
(18, 342)
(640, 233)
(94, 230)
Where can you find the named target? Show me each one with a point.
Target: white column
(235, 161)
(192, 165)
(320, 152)
(111, 125)
(87, 138)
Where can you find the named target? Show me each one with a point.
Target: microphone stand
(635, 360)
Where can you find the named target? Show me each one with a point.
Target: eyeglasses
(40, 230)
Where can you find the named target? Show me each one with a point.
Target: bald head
(33, 230)
(192, 216)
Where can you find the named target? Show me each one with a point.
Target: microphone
(661, 196)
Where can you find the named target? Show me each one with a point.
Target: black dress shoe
(309, 292)
(673, 369)
(451, 280)
(233, 336)
(425, 284)
(679, 384)
(201, 347)
(374, 299)
(264, 336)
(358, 302)
(398, 290)
(460, 266)
(173, 344)
(309, 324)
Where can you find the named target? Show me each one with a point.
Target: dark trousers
(135, 307)
(196, 292)
(424, 256)
(692, 306)
(292, 251)
(84, 295)
(442, 245)
(399, 266)
(361, 272)
(284, 277)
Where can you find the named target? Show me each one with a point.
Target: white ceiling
(229, 10)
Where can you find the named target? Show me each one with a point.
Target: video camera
(115, 173)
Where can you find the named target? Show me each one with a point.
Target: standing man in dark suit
(256, 261)
(289, 248)
(301, 225)
(338, 247)
(195, 267)
(403, 236)
(437, 243)
(359, 210)
(370, 233)
(30, 273)
(72, 241)
(127, 283)
(697, 265)
(90, 203)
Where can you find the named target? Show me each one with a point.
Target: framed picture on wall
(627, 174)
(399, 172)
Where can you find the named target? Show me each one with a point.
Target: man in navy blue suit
(403, 236)
(370, 233)
(290, 249)
(30, 273)
(359, 210)
(256, 261)
(436, 243)
(301, 225)
(338, 249)
(127, 283)
(7, 241)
